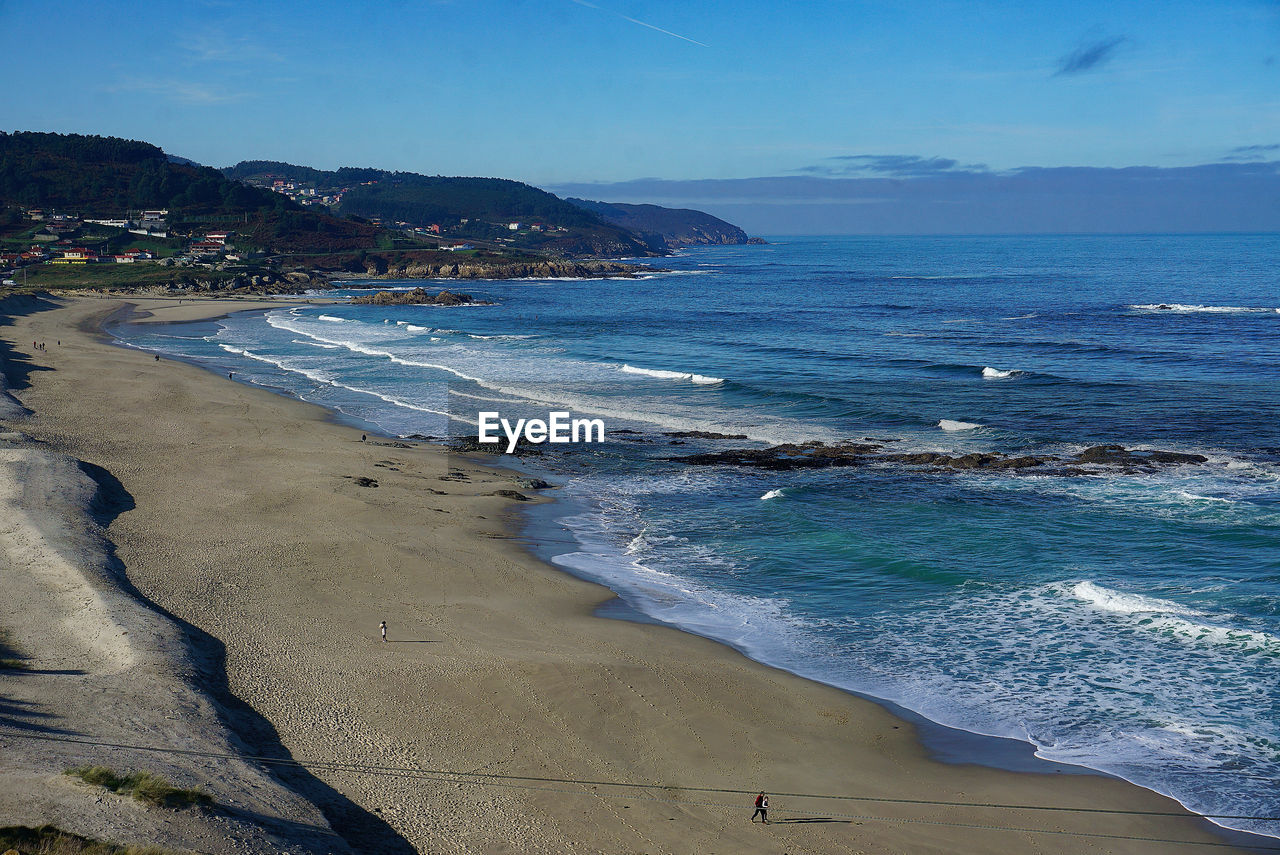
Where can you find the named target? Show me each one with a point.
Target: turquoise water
(1125, 622)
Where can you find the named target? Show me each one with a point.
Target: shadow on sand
(362, 830)
(16, 364)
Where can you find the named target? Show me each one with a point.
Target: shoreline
(946, 743)
(680, 689)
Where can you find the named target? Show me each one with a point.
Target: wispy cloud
(641, 23)
(1089, 56)
(1253, 152)
(188, 92)
(893, 166)
(218, 47)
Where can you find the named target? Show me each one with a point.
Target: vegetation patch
(48, 840)
(9, 658)
(145, 787)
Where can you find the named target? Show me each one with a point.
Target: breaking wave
(700, 379)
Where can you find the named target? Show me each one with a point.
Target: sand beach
(198, 564)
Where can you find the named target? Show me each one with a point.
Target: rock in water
(416, 297)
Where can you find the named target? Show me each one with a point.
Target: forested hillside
(93, 176)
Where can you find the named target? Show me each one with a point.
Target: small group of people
(39, 345)
(762, 809)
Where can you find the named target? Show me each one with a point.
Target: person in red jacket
(762, 808)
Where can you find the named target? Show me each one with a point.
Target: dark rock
(533, 484)
(787, 456)
(416, 297)
(1175, 457)
(511, 494)
(472, 444)
(815, 455)
(1104, 454)
(701, 434)
(1117, 455)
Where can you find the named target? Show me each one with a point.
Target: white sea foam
(316, 344)
(1111, 600)
(321, 377)
(700, 379)
(1170, 618)
(283, 365)
(331, 319)
(772, 494)
(1185, 308)
(1022, 317)
(998, 374)
(950, 424)
(675, 417)
(471, 397)
(400, 402)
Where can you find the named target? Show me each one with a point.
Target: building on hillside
(204, 249)
(515, 227)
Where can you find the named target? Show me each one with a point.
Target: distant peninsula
(664, 229)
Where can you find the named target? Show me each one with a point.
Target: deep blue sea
(1125, 622)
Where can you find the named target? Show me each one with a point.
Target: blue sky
(556, 91)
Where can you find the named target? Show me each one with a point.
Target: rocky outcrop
(1116, 455)
(259, 283)
(378, 268)
(816, 455)
(416, 297)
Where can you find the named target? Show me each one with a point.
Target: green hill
(487, 205)
(107, 177)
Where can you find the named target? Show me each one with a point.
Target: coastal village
(67, 239)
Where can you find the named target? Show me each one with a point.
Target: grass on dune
(48, 840)
(144, 786)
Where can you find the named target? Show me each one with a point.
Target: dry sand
(240, 517)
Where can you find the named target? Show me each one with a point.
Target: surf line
(558, 427)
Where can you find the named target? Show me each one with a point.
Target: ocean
(1124, 619)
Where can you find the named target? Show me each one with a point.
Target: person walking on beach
(762, 808)
(382, 627)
